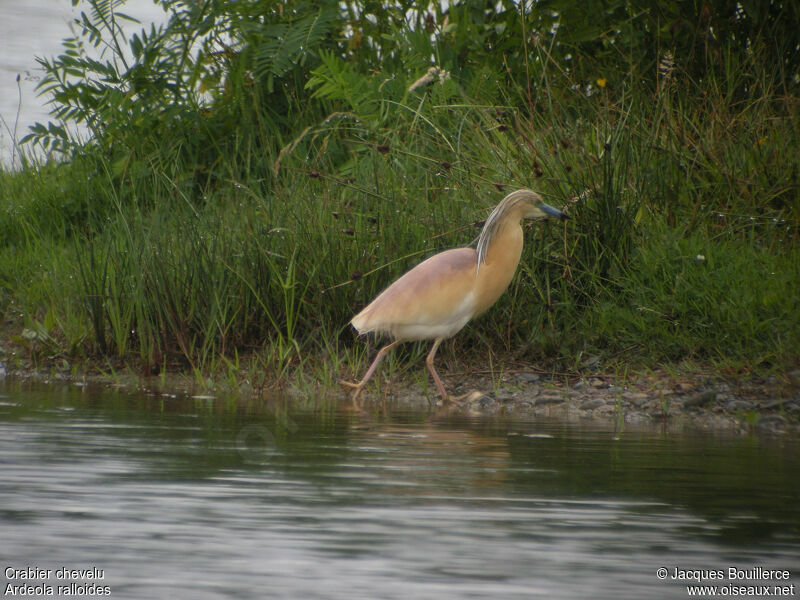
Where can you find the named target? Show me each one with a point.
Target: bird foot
(465, 398)
(356, 387)
(459, 401)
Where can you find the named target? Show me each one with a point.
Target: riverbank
(232, 235)
(769, 405)
(680, 400)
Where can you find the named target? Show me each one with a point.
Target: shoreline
(751, 405)
(700, 402)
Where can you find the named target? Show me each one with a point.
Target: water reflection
(184, 498)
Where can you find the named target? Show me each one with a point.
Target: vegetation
(255, 172)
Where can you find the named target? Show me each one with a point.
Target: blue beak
(553, 212)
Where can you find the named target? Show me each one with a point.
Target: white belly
(431, 326)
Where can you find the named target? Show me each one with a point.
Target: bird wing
(434, 299)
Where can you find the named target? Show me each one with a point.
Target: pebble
(740, 405)
(592, 403)
(772, 423)
(528, 377)
(700, 399)
(504, 395)
(548, 399)
(636, 398)
(635, 418)
(486, 403)
(477, 403)
(794, 377)
(772, 404)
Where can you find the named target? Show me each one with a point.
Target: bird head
(532, 206)
(518, 205)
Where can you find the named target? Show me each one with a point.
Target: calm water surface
(199, 498)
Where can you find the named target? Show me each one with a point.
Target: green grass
(683, 246)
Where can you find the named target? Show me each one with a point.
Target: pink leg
(432, 369)
(370, 372)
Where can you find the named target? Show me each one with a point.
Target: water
(32, 28)
(209, 498)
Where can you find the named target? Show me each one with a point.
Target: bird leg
(446, 399)
(436, 379)
(358, 387)
(370, 372)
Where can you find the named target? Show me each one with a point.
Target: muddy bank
(756, 405)
(768, 405)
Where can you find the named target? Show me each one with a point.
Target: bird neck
(506, 247)
(502, 258)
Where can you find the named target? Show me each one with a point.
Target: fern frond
(317, 27)
(104, 10)
(284, 45)
(273, 55)
(334, 79)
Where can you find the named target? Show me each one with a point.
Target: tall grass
(684, 242)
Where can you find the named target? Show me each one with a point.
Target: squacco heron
(435, 299)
